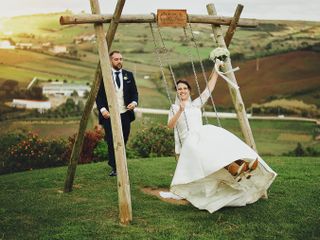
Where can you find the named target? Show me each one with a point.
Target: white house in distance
(64, 89)
(84, 38)
(26, 46)
(59, 49)
(6, 44)
(41, 106)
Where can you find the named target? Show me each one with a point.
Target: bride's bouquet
(219, 56)
(219, 53)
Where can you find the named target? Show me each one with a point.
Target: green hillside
(293, 75)
(22, 66)
(269, 42)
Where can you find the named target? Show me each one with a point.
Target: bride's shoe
(247, 175)
(235, 170)
(250, 167)
(253, 165)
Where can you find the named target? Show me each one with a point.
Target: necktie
(117, 79)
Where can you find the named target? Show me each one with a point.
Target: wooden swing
(103, 73)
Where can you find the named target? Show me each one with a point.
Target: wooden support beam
(77, 147)
(118, 142)
(235, 94)
(125, 210)
(204, 19)
(233, 26)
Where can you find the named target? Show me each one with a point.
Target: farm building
(65, 89)
(59, 49)
(6, 44)
(42, 106)
(25, 46)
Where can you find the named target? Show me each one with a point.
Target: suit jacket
(130, 94)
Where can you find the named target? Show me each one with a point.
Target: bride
(215, 168)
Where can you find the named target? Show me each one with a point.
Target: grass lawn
(33, 207)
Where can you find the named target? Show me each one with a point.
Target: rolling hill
(285, 70)
(291, 75)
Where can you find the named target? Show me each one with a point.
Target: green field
(34, 207)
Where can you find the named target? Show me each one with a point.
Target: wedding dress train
(200, 176)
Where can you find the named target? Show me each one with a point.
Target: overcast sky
(260, 9)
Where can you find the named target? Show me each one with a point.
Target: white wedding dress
(200, 176)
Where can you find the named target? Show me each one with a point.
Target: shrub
(155, 141)
(10, 139)
(91, 140)
(100, 153)
(32, 152)
(300, 151)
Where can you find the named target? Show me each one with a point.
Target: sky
(260, 9)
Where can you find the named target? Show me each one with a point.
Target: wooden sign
(172, 17)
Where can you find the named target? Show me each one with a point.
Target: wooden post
(119, 148)
(77, 147)
(114, 22)
(125, 211)
(235, 94)
(233, 26)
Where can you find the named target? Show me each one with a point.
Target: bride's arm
(212, 82)
(204, 96)
(176, 115)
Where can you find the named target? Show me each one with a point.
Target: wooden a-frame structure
(103, 74)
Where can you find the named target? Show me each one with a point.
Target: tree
(9, 85)
(35, 93)
(86, 94)
(299, 151)
(80, 106)
(74, 94)
(70, 104)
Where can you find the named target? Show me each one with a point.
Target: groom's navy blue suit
(130, 94)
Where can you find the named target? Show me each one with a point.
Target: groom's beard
(117, 67)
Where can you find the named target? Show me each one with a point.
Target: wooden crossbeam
(152, 18)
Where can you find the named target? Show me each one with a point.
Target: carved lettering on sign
(172, 17)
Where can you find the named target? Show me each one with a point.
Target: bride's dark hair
(184, 82)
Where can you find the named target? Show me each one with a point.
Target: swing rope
(157, 52)
(195, 75)
(204, 74)
(162, 52)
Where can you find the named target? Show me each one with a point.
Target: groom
(127, 96)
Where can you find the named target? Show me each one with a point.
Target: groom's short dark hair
(113, 52)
